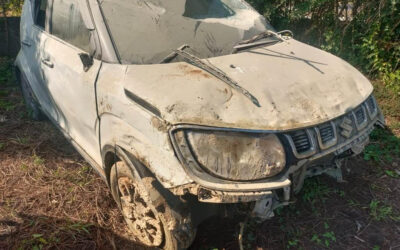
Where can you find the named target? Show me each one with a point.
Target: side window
(67, 24)
(40, 13)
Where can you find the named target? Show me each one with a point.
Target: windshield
(145, 32)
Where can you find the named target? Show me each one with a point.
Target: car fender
(159, 159)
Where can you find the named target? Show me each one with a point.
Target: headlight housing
(233, 156)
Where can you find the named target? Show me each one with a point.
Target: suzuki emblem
(346, 127)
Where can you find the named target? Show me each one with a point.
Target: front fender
(153, 152)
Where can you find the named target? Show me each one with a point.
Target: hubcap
(136, 207)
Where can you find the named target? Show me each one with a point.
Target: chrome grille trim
(360, 117)
(311, 147)
(326, 139)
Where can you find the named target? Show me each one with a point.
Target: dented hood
(296, 85)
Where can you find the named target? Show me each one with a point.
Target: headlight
(237, 156)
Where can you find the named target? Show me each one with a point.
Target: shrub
(364, 32)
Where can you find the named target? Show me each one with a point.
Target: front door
(72, 86)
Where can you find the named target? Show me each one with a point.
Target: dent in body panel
(132, 127)
(309, 88)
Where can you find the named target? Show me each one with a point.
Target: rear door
(34, 25)
(70, 81)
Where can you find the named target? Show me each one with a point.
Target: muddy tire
(153, 219)
(31, 103)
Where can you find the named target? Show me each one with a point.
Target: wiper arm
(240, 47)
(253, 41)
(260, 36)
(171, 56)
(197, 62)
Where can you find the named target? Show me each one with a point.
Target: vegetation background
(364, 32)
(50, 198)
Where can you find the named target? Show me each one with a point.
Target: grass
(6, 74)
(379, 211)
(384, 146)
(49, 197)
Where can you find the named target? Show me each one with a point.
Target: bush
(10, 7)
(364, 32)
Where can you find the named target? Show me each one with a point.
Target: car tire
(31, 103)
(154, 219)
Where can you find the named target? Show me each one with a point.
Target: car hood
(295, 84)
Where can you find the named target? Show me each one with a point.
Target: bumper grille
(371, 104)
(372, 107)
(326, 132)
(360, 115)
(302, 143)
(338, 131)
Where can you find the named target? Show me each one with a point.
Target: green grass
(6, 73)
(380, 211)
(314, 191)
(37, 160)
(384, 146)
(6, 105)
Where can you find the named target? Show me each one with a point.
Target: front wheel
(153, 219)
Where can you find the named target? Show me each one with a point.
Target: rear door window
(67, 24)
(40, 13)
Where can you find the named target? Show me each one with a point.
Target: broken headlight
(234, 156)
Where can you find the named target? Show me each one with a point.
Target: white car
(190, 107)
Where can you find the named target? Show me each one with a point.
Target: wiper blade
(260, 36)
(171, 56)
(252, 42)
(240, 47)
(197, 62)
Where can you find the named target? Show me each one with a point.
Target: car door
(34, 24)
(71, 73)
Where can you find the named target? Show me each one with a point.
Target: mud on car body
(190, 105)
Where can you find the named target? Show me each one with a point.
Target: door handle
(48, 63)
(26, 43)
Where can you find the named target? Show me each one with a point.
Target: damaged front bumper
(322, 154)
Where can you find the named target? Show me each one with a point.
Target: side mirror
(87, 61)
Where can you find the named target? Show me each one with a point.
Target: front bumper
(349, 135)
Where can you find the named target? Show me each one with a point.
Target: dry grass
(49, 196)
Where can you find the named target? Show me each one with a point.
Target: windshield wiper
(174, 53)
(252, 42)
(240, 47)
(208, 67)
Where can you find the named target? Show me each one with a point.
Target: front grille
(360, 115)
(336, 132)
(326, 132)
(371, 104)
(301, 141)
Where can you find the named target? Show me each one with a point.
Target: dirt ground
(51, 199)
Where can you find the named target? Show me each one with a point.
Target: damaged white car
(188, 108)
